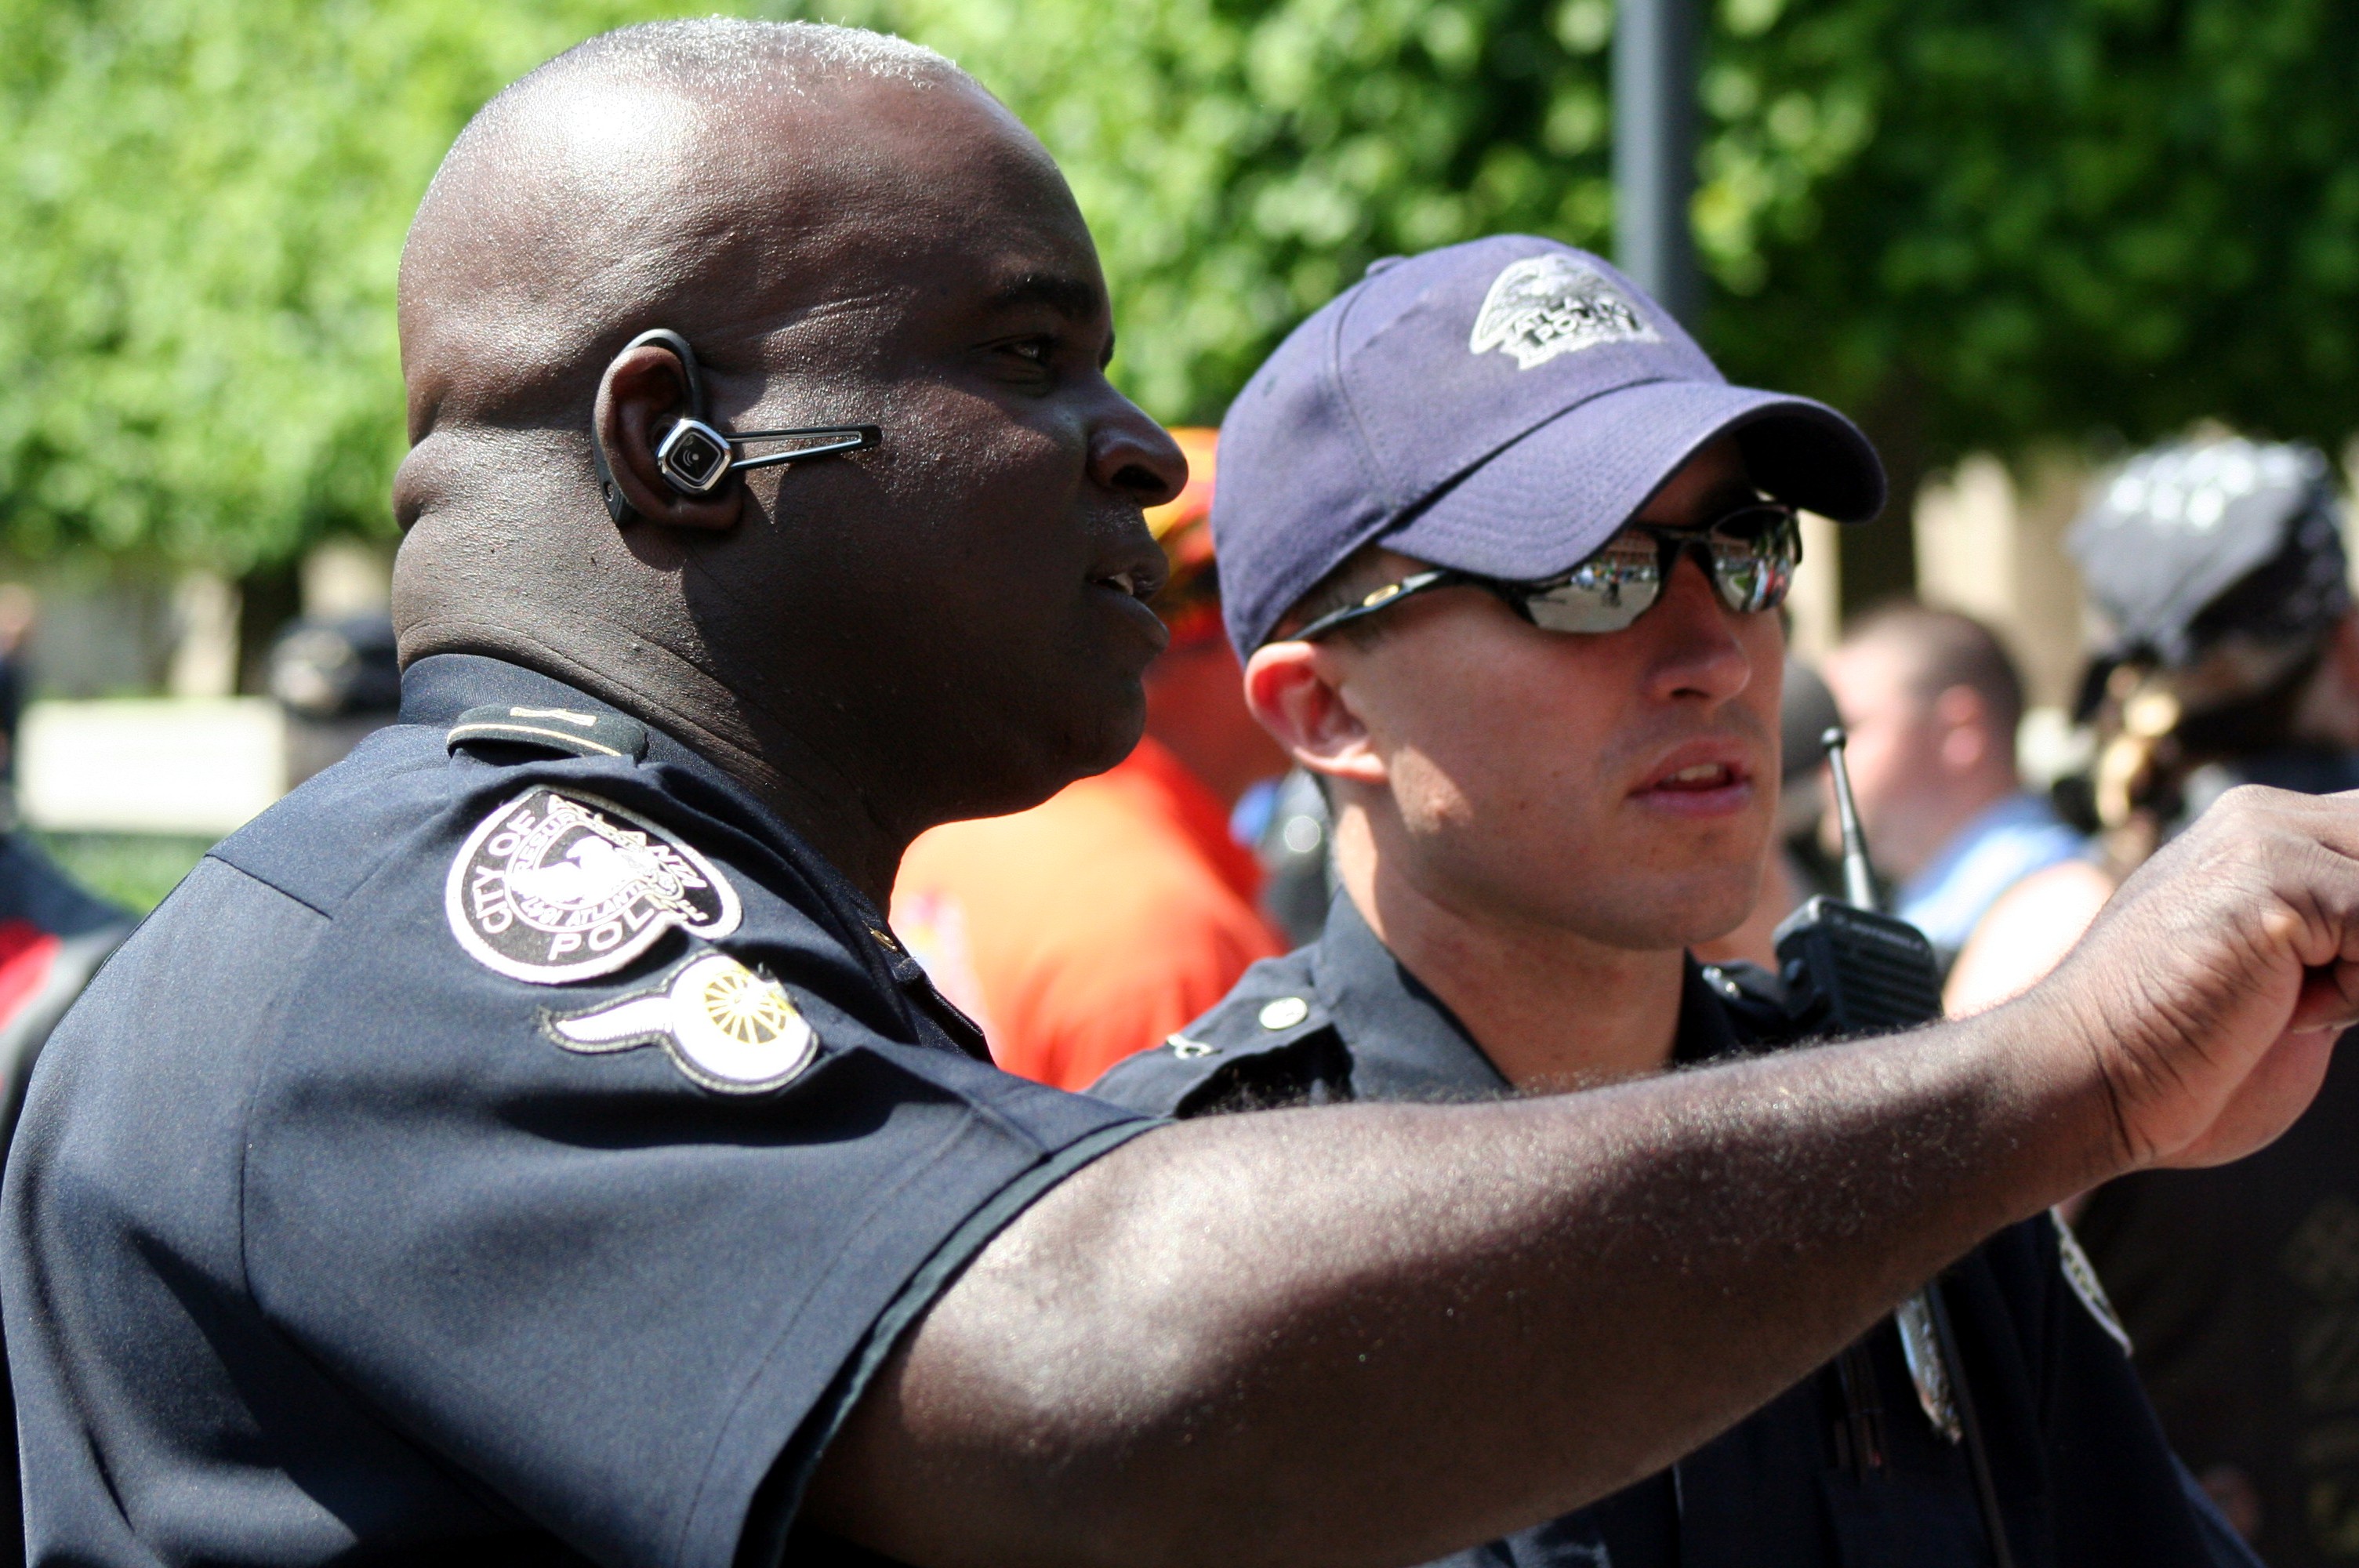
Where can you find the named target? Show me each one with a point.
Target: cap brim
(1545, 501)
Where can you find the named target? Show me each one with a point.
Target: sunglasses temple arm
(1392, 593)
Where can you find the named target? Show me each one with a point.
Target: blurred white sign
(181, 765)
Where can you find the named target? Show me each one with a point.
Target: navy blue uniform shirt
(2084, 1472)
(515, 1145)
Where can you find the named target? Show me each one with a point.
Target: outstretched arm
(1374, 1334)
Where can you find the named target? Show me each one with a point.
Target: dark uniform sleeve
(616, 1296)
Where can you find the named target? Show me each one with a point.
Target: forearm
(1377, 1334)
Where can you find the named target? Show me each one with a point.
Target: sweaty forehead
(601, 207)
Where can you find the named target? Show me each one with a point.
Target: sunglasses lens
(1604, 593)
(1754, 554)
(1753, 563)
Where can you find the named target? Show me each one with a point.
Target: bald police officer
(527, 1142)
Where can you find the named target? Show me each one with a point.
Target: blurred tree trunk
(1879, 560)
(268, 597)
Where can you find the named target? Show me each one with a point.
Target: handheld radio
(1848, 968)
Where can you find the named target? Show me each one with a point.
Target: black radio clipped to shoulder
(1846, 967)
(1848, 971)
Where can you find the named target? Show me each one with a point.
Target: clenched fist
(2209, 993)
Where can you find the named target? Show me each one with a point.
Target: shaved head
(847, 229)
(621, 170)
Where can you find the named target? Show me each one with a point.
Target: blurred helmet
(2218, 566)
(2197, 541)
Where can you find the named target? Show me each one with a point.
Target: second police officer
(1548, 731)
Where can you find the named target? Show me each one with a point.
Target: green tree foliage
(1242, 162)
(203, 207)
(1982, 223)
(1979, 222)
(2072, 219)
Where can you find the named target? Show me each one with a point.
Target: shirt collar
(437, 688)
(1406, 1043)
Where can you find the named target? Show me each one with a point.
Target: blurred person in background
(19, 612)
(1293, 838)
(1093, 925)
(2233, 658)
(1931, 701)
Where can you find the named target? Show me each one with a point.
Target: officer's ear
(1296, 690)
(644, 392)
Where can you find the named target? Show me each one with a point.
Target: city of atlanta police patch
(552, 887)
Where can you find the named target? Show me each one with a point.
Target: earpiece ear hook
(696, 459)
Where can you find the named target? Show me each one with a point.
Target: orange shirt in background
(1091, 926)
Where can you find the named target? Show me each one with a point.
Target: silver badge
(1921, 1347)
(725, 1026)
(554, 888)
(1550, 305)
(2081, 1275)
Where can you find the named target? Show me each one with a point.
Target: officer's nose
(1133, 455)
(1696, 652)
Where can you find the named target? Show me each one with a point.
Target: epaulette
(580, 732)
(1272, 1011)
(1755, 999)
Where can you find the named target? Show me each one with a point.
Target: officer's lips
(1706, 780)
(1129, 589)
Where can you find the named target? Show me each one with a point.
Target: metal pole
(1655, 48)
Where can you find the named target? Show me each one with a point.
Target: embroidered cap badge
(1548, 305)
(725, 1026)
(552, 887)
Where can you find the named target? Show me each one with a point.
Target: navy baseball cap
(1500, 406)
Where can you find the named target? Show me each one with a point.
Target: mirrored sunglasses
(1749, 556)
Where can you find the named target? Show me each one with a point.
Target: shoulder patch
(2082, 1276)
(583, 731)
(558, 886)
(727, 1028)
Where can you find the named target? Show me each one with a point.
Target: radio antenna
(1859, 877)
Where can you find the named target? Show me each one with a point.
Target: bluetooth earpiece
(696, 459)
